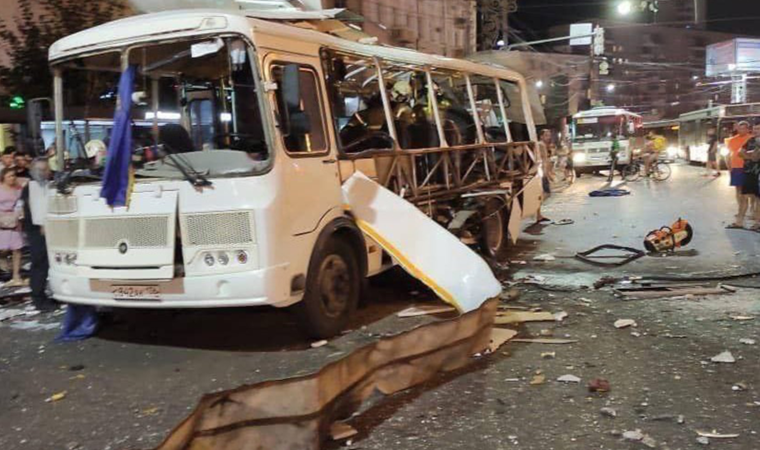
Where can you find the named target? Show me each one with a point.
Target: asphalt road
(129, 386)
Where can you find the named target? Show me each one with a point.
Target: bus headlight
(723, 151)
(579, 158)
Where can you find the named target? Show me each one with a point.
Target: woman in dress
(11, 239)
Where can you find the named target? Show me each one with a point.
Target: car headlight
(579, 157)
(723, 150)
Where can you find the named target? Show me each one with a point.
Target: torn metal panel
(297, 413)
(420, 245)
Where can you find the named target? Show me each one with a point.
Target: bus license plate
(136, 292)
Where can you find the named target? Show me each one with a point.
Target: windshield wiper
(188, 171)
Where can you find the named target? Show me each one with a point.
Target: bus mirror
(296, 120)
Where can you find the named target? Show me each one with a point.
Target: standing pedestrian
(751, 155)
(7, 158)
(735, 145)
(34, 197)
(544, 142)
(712, 153)
(10, 236)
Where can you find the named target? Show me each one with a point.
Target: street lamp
(539, 84)
(610, 88)
(624, 8)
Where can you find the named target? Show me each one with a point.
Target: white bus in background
(593, 133)
(243, 206)
(692, 136)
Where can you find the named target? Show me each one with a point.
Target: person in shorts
(735, 146)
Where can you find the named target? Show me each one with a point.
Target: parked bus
(694, 125)
(593, 133)
(271, 116)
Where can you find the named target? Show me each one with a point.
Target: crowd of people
(23, 207)
(744, 148)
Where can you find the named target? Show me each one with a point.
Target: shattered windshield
(197, 99)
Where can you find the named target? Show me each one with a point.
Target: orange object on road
(669, 238)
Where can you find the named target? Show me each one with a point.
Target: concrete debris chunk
(703, 440)
(546, 257)
(560, 316)
(624, 323)
(649, 441)
(538, 380)
(569, 379)
(746, 341)
(633, 436)
(724, 357)
(608, 412)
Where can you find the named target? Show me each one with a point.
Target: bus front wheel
(333, 286)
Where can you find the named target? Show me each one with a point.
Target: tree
(39, 24)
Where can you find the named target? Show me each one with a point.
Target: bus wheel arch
(335, 279)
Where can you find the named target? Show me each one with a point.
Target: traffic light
(17, 102)
(598, 41)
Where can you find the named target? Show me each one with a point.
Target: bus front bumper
(269, 286)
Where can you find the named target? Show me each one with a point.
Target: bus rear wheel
(333, 286)
(494, 233)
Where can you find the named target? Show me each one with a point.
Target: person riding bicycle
(654, 146)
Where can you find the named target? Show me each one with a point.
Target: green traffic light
(17, 102)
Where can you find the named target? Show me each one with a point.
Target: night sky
(534, 17)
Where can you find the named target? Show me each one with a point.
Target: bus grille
(138, 232)
(62, 233)
(212, 229)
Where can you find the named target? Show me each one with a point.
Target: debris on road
(425, 310)
(564, 222)
(318, 344)
(724, 357)
(703, 440)
(546, 257)
(56, 397)
(549, 341)
(608, 412)
(538, 379)
(625, 323)
(626, 255)
(499, 336)
(741, 318)
(715, 435)
(599, 385)
(11, 313)
(633, 436)
(569, 379)
(560, 316)
(548, 355)
(508, 317)
(340, 431)
(661, 291)
(746, 341)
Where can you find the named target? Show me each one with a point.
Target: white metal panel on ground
(422, 247)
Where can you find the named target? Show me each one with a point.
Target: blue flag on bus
(119, 155)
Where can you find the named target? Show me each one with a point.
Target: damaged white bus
(237, 198)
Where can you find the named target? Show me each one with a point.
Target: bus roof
(723, 112)
(604, 111)
(199, 22)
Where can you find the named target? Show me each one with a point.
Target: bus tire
(333, 287)
(494, 230)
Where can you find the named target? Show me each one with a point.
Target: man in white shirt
(34, 197)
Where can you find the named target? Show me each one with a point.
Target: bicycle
(660, 171)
